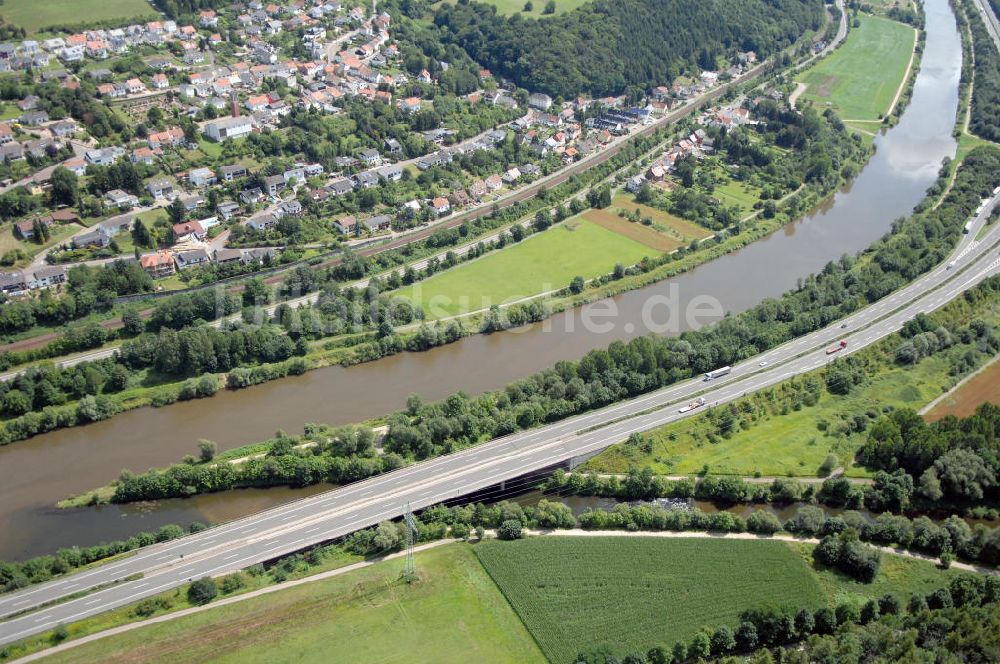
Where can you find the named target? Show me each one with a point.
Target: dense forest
(984, 120)
(608, 45)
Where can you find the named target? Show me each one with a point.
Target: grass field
(34, 16)
(633, 593)
(9, 240)
(860, 79)
(897, 574)
(790, 444)
(982, 388)
(453, 614)
(542, 262)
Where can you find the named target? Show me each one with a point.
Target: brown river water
(35, 473)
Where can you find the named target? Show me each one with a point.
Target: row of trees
(322, 454)
(16, 575)
(984, 119)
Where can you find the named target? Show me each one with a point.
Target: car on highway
(763, 363)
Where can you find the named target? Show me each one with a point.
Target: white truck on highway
(691, 406)
(715, 373)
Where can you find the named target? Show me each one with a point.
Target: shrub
(202, 591)
(511, 529)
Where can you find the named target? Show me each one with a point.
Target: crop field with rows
(577, 593)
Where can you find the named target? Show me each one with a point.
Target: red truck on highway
(836, 349)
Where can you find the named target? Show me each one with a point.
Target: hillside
(606, 46)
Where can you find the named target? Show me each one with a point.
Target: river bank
(34, 471)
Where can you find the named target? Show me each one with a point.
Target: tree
(746, 636)
(529, 6)
(576, 285)
(723, 640)
(65, 188)
(202, 591)
(386, 536)
(207, 449)
(140, 234)
(701, 646)
(176, 211)
(511, 529)
(550, 7)
(763, 522)
(962, 474)
(131, 322)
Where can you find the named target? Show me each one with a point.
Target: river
(37, 472)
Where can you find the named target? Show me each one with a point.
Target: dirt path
(796, 93)
(906, 75)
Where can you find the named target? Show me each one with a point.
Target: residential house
(441, 205)
(202, 177)
(231, 172)
(478, 189)
(494, 182)
(223, 256)
(192, 202)
(227, 209)
(391, 173)
(379, 222)
(113, 227)
(142, 156)
(158, 264)
(370, 157)
(366, 179)
(511, 175)
(63, 128)
(347, 225)
(251, 196)
(46, 277)
(273, 184)
(160, 188)
(341, 187)
(33, 118)
(120, 199)
(94, 238)
(77, 165)
(540, 101)
(104, 156)
(166, 138)
(261, 221)
(191, 258)
(187, 230)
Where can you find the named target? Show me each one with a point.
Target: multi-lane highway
(336, 513)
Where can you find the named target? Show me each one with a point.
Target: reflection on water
(36, 472)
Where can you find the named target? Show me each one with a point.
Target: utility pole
(410, 565)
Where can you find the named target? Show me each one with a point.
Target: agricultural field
(982, 388)
(35, 16)
(542, 262)
(638, 592)
(847, 81)
(787, 440)
(454, 613)
(664, 222)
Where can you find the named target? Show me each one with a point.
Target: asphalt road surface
(335, 513)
